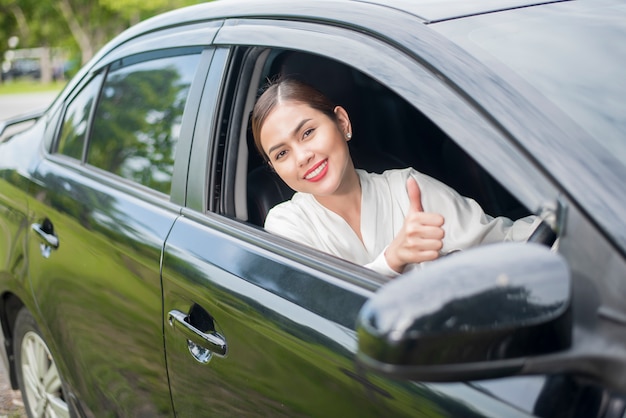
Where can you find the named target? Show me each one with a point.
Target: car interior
(388, 133)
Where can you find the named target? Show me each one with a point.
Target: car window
(138, 119)
(389, 131)
(74, 128)
(402, 116)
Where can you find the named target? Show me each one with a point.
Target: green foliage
(30, 86)
(79, 26)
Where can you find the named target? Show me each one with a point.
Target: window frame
(459, 118)
(137, 59)
(166, 43)
(93, 78)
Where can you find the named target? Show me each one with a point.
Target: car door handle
(49, 238)
(211, 341)
(45, 230)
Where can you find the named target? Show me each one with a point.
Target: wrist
(392, 261)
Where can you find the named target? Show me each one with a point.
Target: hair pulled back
(287, 90)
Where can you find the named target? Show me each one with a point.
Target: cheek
(284, 171)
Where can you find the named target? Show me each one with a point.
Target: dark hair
(284, 90)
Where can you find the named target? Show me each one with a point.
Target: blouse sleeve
(465, 223)
(381, 266)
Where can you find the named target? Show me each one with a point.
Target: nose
(303, 155)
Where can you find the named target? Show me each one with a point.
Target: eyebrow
(295, 132)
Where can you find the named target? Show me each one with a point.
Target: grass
(29, 86)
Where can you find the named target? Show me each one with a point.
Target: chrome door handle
(46, 233)
(211, 341)
(50, 239)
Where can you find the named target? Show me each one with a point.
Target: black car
(136, 278)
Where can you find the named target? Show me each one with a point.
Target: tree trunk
(22, 23)
(80, 35)
(45, 65)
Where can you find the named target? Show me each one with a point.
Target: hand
(421, 235)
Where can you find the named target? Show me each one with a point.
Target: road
(11, 405)
(19, 104)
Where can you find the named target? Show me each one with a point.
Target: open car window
(402, 116)
(389, 133)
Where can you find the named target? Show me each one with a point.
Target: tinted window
(75, 122)
(572, 55)
(137, 121)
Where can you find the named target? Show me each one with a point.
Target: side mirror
(472, 315)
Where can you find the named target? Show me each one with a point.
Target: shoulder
(297, 203)
(434, 192)
(395, 179)
(293, 211)
(390, 177)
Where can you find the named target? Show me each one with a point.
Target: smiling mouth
(315, 173)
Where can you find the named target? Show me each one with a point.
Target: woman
(384, 221)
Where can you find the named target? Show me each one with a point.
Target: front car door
(259, 325)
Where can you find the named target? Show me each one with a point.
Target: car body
(136, 278)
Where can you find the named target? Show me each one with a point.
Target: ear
(343, 121)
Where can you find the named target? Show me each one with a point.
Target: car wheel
(38, 378)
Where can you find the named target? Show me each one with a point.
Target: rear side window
(137, 122)
(75, 121)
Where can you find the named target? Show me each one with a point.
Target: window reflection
(137, 121)
(74, 127)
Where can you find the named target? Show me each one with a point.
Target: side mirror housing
(472, 315)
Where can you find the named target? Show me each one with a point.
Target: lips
(317, 172)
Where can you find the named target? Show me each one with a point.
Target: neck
(346, 202)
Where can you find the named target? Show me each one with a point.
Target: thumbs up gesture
(421, 236)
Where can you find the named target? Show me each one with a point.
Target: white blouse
(384, 204)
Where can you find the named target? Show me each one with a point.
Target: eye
(280, 154)
(307, 133)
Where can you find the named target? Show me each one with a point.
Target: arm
(440, 221)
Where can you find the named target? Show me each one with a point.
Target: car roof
(424, 10)
(438, 10)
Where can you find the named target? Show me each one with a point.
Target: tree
(80, 26)
(92, 24)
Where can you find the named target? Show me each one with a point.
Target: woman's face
(307, 149)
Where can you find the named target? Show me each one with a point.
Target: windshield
(574, 54)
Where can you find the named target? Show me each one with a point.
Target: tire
(42, 387)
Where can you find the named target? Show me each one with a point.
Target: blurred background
(44, 42)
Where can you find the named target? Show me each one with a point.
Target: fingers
(424, 232)
(420, 238)
(417, 219)
(415, 195)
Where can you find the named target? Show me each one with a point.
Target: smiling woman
(386, 221)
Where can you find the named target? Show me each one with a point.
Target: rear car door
(104, 193)
(261, 326)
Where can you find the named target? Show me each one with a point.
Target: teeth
(316, 171)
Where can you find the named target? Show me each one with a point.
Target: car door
(101, 210)
(262, 326)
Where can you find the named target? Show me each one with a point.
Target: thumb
(415, 195)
